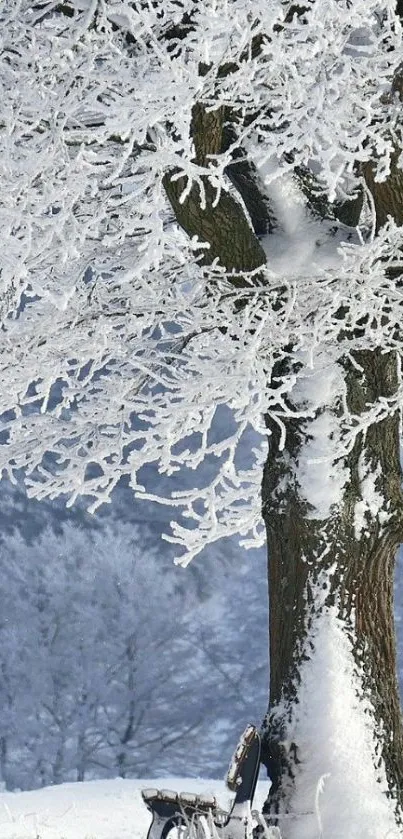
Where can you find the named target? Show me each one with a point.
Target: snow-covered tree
(202, 206)
(76, 641)
(99, 652)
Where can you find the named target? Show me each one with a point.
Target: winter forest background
(113, 661)
(110, 667)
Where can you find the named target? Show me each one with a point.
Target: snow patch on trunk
(338, 793)
(303, 245)
(320, 472)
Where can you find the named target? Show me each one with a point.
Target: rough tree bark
(361, 575)
(359, 569)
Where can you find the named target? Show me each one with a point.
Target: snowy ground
(93, 810)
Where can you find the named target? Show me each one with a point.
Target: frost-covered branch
(123, 335)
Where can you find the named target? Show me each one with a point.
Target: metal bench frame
(201, 815)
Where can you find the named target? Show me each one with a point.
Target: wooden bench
(201, 814)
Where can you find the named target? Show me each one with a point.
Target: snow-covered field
(93, 810)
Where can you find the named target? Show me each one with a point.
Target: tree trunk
(322, 568)
(81, 756)
(337, 572)
(3, 763)
(58, 764)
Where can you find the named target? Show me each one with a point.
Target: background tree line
(113, 663)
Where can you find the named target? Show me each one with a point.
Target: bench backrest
(244, 767)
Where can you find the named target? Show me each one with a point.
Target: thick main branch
(221, 224)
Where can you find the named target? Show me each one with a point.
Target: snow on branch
(118, 346)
